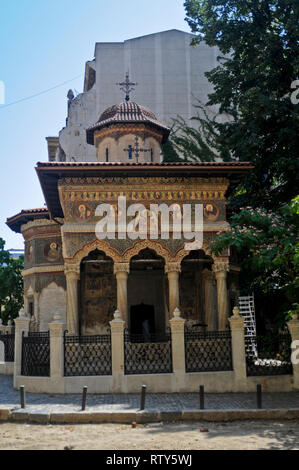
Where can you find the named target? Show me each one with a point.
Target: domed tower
(128, 132)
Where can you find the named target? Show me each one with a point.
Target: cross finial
(135, 149)
(127, 86)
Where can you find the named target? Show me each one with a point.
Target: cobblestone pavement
(9, 398)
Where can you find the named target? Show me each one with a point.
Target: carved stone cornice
(42, 269)
(39, 223)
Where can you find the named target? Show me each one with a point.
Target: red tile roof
(26, 215)
(126, 112)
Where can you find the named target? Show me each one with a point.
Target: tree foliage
(268, 245)
(258, 61)
(11, 284)
(202, 143)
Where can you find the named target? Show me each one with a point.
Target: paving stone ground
(51, 403)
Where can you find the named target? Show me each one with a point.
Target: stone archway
(97, 293)
(147, 293)
(100, 245)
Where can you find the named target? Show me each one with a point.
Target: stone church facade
(70, 271)
(117, 294)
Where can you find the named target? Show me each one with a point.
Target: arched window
(107, 155)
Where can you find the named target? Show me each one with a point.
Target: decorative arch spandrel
(141, 245)
(91, 246)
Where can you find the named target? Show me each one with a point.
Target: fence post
(56, 350)
(21, 324)
(2, 327)
(293, 326)
(117, 349)
(9, 327)
(178, 348)
(238, 350)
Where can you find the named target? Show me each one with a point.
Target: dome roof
(129, 112)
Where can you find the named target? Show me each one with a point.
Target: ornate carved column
(36, 307)
(72, 274)
(210, 317)
(121, 271)
(220, 269)
(173, 271)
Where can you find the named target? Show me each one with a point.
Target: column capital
(121, 268)
(220, 267)
(173, 267)
(72, 270)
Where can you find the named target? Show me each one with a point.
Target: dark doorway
(142, 320)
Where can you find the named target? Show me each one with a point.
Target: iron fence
(87, 355)
(208, 351)
(36, 354)
(272, 357)
(8, 340)
(148, 354)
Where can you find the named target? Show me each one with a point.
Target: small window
(107, 155)
(152, 155)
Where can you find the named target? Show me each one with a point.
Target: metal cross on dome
(127, 86)
(135, 149)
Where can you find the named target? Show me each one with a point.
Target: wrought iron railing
(36, 354)
(208, 351)
(87, 355)
(273, 356)
(8, 340)
(148, 354)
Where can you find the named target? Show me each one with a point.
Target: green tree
(11, 284)
(258, 61)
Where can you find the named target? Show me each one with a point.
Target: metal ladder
(246, 307)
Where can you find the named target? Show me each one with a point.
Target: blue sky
(44, 43)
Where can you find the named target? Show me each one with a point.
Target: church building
(73, 270)
(121, 288)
